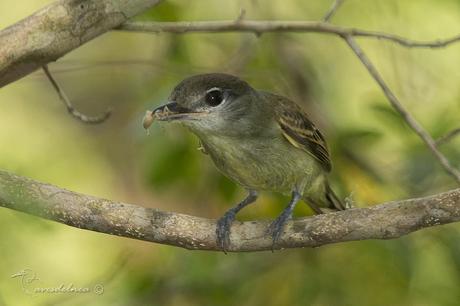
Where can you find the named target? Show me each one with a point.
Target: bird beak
(172, 111)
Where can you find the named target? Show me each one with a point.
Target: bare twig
(384, 221)
(76, 114)
(335, 6)
(264, 26)
(416, 127)
(442, 140)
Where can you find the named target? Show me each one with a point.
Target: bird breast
(260, 163)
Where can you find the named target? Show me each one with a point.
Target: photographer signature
(29, 281)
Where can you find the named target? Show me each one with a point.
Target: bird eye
(214, 97)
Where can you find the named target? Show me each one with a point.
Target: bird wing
(301, 132)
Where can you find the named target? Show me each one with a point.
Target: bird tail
(333, 200)
(324, 201)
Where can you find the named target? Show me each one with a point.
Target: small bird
(261, 141)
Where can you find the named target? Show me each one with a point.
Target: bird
(260, 140)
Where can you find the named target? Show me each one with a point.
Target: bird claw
(276, 229)
(223, 231)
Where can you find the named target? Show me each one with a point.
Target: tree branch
(264, 26)
(384, 221)
(57, 29)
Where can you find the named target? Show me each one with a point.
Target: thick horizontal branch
(384, 221)
(264, 26)
(57, 29)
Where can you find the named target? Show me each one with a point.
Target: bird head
(214, 103)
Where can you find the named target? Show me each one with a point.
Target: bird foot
(223, 230)
(276, 228)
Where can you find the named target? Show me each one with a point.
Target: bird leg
(276, 228)
(224, 223)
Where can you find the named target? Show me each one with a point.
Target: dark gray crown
(199, 84)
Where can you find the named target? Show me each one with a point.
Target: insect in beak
(170, 112)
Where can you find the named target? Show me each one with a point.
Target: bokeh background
(376, 158)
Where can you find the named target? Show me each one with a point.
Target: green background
(376, 158)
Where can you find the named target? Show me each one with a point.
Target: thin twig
(443, 139)
(332, 10)
(264, 26)
(76, 114)
(416, 127)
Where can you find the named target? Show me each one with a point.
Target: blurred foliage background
(376, 158)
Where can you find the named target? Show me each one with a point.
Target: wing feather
(301, 132)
